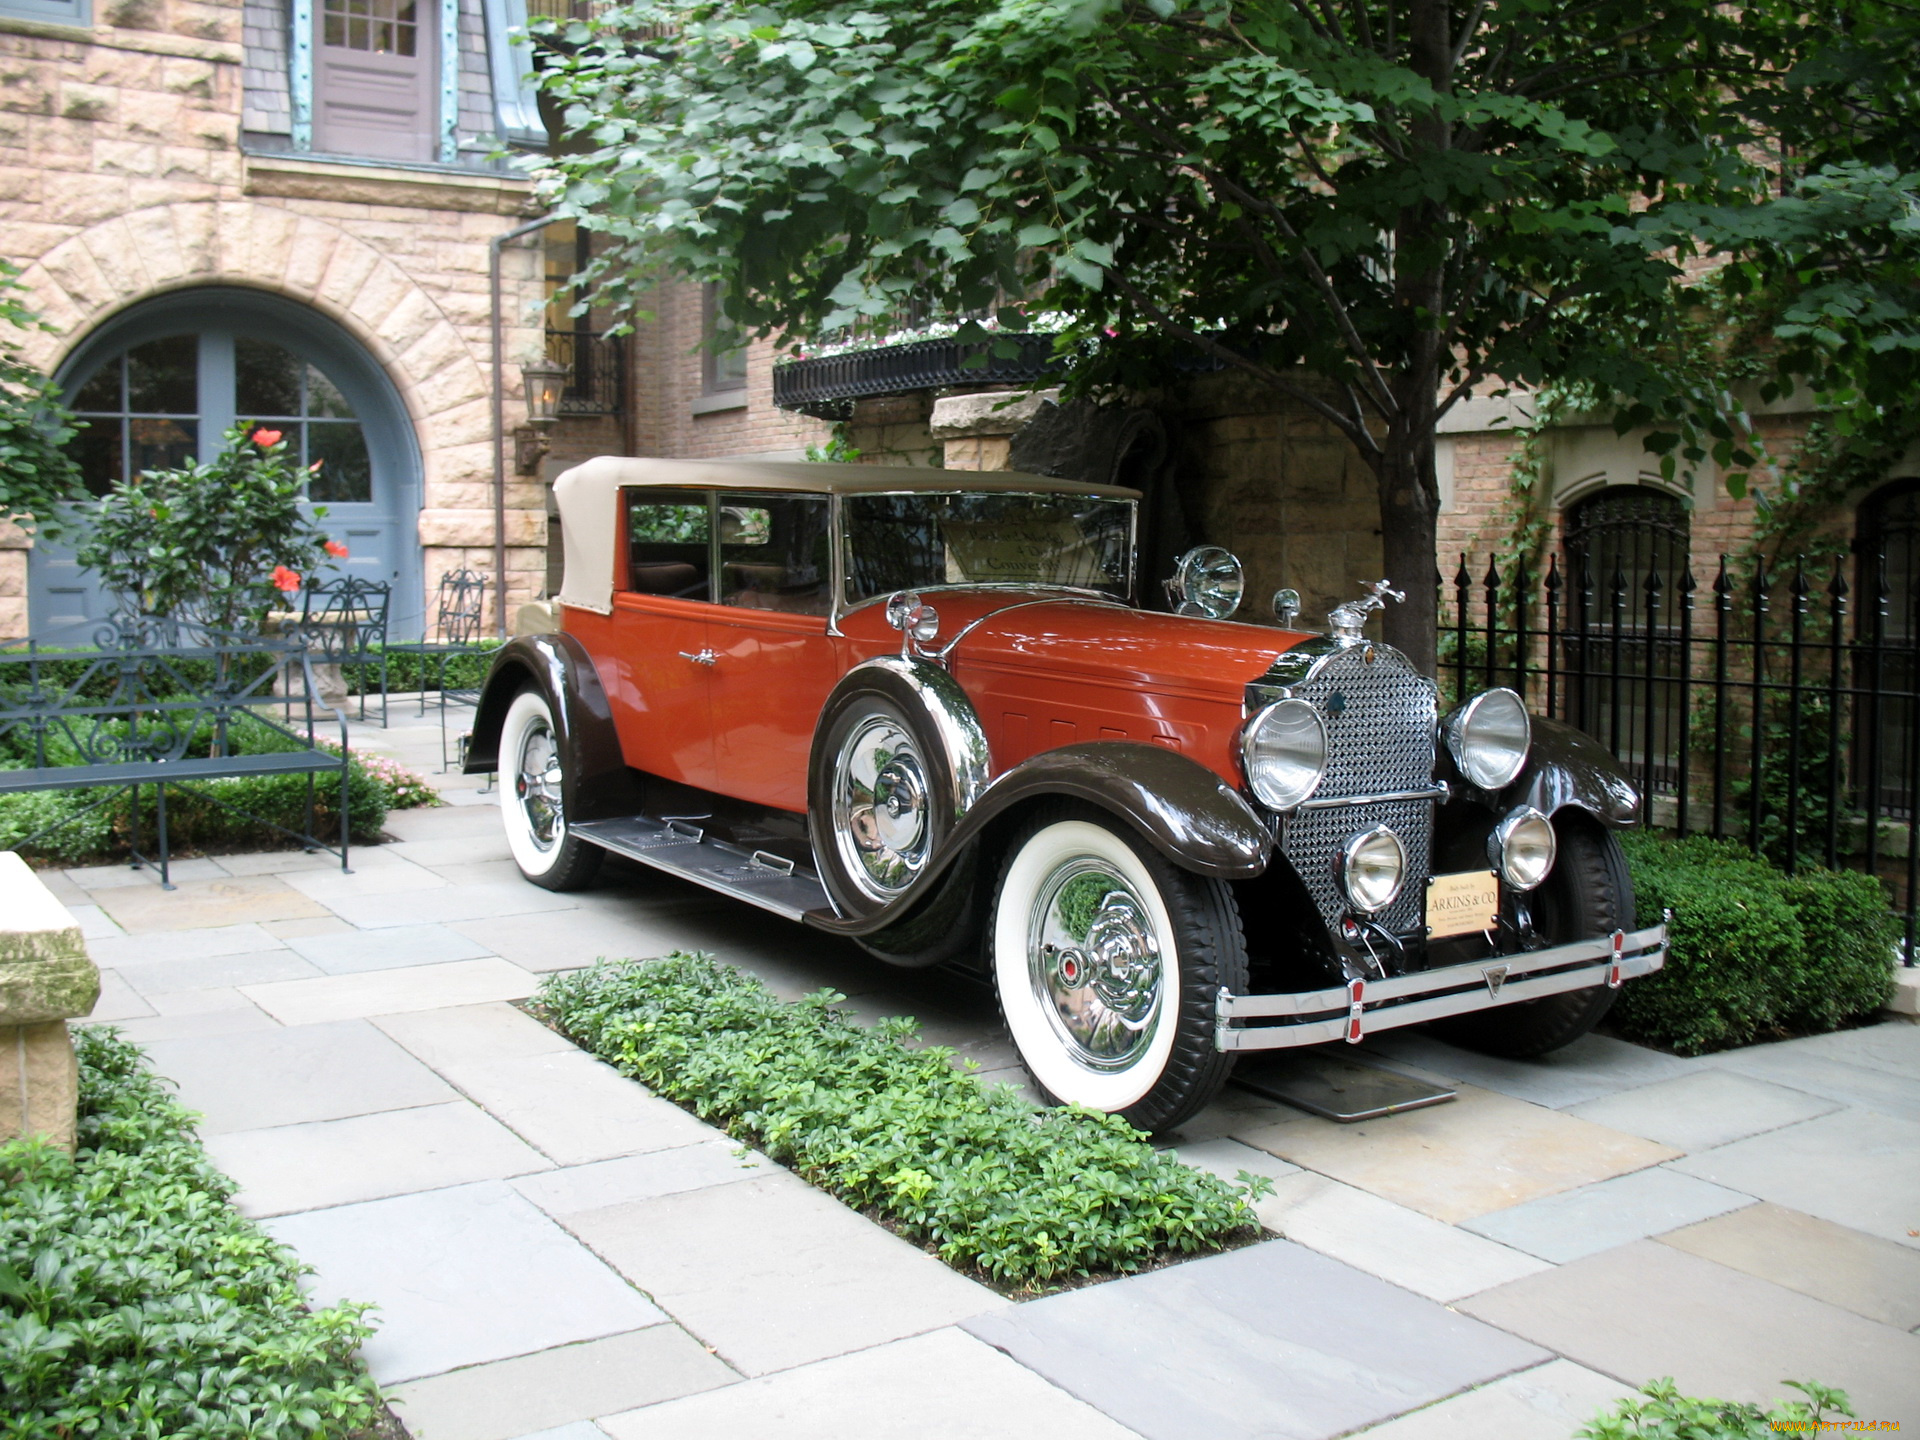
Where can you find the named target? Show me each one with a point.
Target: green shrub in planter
(1754, 952)
(136, 1302)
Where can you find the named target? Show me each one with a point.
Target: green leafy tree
(219, 544)
(35, 473)
(1376, 209)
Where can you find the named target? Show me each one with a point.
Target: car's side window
(669, 542)
(775, 553)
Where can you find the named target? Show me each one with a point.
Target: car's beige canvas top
(588, 496)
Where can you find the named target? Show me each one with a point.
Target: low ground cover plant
(135, 1301)
(1756, 953)
(979, 1175)
(1661, 1412)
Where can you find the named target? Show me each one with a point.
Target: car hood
(1100, 641)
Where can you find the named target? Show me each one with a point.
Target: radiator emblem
(1495, 976)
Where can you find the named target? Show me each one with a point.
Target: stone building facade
(158, 174)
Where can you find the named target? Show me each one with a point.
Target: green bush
(407, 673)
(980, 1176)
(136, 1302)
(1755, 952)
(1661, 1412)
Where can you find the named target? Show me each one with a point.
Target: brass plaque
(1461, 904)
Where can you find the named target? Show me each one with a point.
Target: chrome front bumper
(1363, 1007)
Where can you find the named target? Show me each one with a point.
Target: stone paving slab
(773, 1273)
(1227, 1158)
(1646, 1310)
(114, 877)
(1862, 1273)
(1592, 1066)
(201, 904)
(535, 942)
(62, 887)
(220, 1000)
(1868, 1087)
(462, 1276)
(575, 1109)
(300, 929)
(1477, 1153)
(1703, 1109)
(183, 945)
(580, 1188)
(117, 1001)
(1891, 1046)
(1853, 1167)
(369, 1157)
(569, 1383)
(446, 904)
(1270, 1341)
(473, 1034)
(1402, 1246)
(288, 1076)
(201, 1025)
(578, 1430)
(399, 877)
(455, 849)
(443, 823)
(498, 870)
(94, 923)
(942, 1386)
(351, 952)
(1593, 1218)
(389, 992)
(287, 862)
(1548, 1402)
(159, 977)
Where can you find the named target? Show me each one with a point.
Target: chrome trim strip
(1440, 790)
(1359, 1008)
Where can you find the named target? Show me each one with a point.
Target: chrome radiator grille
(1381, 718)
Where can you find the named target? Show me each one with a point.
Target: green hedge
(981, 1176)
(135, 1301)
(1756, 953)
(1661, 1412)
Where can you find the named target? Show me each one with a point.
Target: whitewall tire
(533, 799)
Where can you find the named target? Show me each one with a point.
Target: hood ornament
(1348, 621)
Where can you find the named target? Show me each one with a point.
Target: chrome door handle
(703, 657)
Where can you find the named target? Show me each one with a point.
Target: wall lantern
(544, 379)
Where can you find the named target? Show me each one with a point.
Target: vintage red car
(926, 710)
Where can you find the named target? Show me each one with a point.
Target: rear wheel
(1107, 960)
(1588, 893)
(533, 799)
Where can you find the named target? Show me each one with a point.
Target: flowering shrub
(220, 543)
(406, 789)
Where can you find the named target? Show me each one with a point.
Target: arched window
(1887, 542)
(1616, 538)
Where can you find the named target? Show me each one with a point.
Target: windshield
(913, 542)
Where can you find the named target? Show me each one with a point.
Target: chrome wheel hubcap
(882, 819)
(537, 786)
(1095, 964)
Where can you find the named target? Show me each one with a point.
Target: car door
(774, 660)
(661, 646)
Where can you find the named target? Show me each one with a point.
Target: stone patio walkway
(558, 1253)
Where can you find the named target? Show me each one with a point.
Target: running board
(679, 848)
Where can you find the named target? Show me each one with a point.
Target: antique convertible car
(924, 710)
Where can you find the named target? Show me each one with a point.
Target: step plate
(725, 868)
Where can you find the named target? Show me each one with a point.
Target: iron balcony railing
(596, 371)
(826, 387)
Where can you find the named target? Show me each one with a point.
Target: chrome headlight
(1522, 848)
(1371, 869)
(1489, 737)
(1284, 752)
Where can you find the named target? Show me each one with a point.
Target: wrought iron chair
(344, 622)
(459, 612)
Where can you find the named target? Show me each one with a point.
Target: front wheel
(1589, 893)
(533, 799)
(1107, 960)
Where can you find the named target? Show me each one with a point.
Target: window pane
(667, 534)
(96, 450)
(102, 392)
(159, 444)
(324, 398)
(266, 381)
(775, 553)
(901, 542)
(162, 378)
(345, 476)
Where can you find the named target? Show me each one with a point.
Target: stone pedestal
(46, 979)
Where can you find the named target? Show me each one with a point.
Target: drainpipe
(494, 248)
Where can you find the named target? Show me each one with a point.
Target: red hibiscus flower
(336, 550)
(264, 438)
(285, 580)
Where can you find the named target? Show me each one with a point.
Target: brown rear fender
(598, 783)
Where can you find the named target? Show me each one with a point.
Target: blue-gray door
(161, 383)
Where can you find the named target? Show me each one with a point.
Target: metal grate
(1315, 837)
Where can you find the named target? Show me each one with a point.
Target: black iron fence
(1777, 705)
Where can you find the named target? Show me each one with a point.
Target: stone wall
(122, 177)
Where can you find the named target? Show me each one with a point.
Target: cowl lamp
(543, 378)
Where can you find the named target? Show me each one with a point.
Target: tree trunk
(1409, 512)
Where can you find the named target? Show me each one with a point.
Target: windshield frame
(843, 607)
